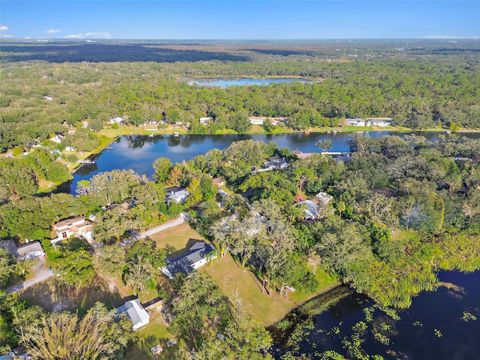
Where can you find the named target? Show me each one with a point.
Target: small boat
(109, 148)
(176, 134)
(87, 162)
(151, 135)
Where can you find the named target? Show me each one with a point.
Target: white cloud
(5, 36)
(89, 35)
(3, 27)
(53, 31)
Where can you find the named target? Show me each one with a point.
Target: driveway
(41, 274)
(169, 224)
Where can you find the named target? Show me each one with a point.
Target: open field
(239, 284)
(176, 237)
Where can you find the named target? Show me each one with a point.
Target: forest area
(421, 87)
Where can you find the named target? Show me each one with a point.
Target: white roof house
(381, 122)
(205, 120)
(135, 312)
(58, 138)
(274, 163)
(178, 195)
(256, 120)
(48, 98)
(116, 120)
(356, 122)
(310, 209)
(323, 198)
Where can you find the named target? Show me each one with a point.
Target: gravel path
(42, 273)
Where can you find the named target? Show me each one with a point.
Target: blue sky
(247, 19)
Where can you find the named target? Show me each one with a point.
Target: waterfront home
(273, 163)
(381, 122)
(31, 250)
(256, 120)
(116, 120)
(177, 194)
(135, 313)
(73, 227)
(355, 122)
(205, 120)
(189, 259)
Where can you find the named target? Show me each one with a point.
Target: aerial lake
(436, 326)
(138, 152)
(223, 83)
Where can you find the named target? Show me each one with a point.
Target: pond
(223, 83)
(139, 152)
(438, 325)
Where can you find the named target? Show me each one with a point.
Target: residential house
(381, 122)
(323, 198)
(311, 209)
(77, 226)
(189, 259)
(69, 148)
(31, 250)
(205, 120)
(58, 138)
(256, 120)
(177, 194)
(274, 163)
(117, 120)
(355, 122)
(135, 312)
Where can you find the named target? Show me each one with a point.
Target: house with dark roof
(31, 250)
(189, 259)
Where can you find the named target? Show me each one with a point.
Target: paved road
(175, 222)
(42, 273)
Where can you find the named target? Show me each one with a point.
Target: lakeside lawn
(239, 284)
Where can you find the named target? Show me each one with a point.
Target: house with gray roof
(135, 312)
(31, 250)
(310, 209)
(189, 259)
(177, 194)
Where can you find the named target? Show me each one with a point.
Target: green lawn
(155, 333)
(176, 237)
(238, 283)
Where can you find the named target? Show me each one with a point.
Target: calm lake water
(139, 152)
(223, 83)
(431, 329)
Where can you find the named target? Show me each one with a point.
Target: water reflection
(138, 152)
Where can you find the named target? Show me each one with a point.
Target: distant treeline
(425, 92)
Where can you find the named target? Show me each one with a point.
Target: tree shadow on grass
(54, 295)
